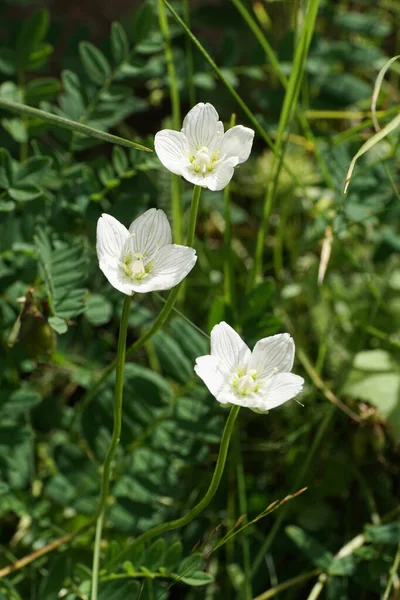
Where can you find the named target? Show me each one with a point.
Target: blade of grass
(290, 101)
(23, 109)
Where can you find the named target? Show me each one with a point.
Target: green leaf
(32, 170)
(173, 556)
(172, 358)
(63, 271)
(94, 62)
(383, 534)
(119, 160)
(30, 36)
(155, 555)
(42, 89)
(8, 61)
(373, 360)
(190, 564)
(6, 169)
(16, 128)
(23, 400)
(143, 20)
(136, 556)
(58, 324)
(197, 579)
(99, 310)
(118, 590)
(319, 556)
(344, 566)
(119, 43)
(25, 192)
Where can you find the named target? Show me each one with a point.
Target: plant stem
(176, 119)
(105, 482)
(241, 484)
(392, 574)
(23, 109)
(200, 506)
(160, 320)
(193, 215)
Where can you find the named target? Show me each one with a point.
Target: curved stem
(105, 481)
(200, 506)
(160, 320)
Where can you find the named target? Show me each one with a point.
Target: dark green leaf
(320, 556)
(119, 43)
(383, 534)
(94, 62)
(142, 23)
(155, 555)
(173, 556)
(30, 36)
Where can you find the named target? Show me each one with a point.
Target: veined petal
(208, 369)
(237, 142)
(112, 272)
(221, 175)
(110, 239)
(228, 346)
(273, 354)
(172, 149)
(150, 231)
(168, 267)
(200, 125)
(281, 388)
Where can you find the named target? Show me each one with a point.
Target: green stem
(23, 109)
(392, 574)
(105, 481)
(176, 119)
(200, 506)
(274, 591)
(193, 215)
(158, 323)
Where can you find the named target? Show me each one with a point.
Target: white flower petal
(150, 231)
(228, 346)
(172, 149)
(221, 175)
(112, 272)
(208, 368)
(110, 239)
(237, 142)
(200, 125)
(170, 265)
(273, 354)
(282, 387)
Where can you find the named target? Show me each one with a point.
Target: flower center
(245, 382)
(203, 161)
(133, 266)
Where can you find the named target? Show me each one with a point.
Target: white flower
(143, 258)
(259, 380)
(201, 152)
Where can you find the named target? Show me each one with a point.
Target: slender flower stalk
(105, 481)
(200, 506)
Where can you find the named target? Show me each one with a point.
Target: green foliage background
(59, 316)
